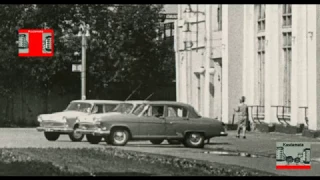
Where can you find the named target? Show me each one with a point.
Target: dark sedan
(158, 121)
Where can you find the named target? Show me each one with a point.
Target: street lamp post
(83, 33)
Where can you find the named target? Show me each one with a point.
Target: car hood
(89, 117)
(58, 116)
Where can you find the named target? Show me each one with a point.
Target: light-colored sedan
(89, 121)
(65, 122)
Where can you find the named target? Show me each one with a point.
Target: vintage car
(157, 121)
(65, 122)
(89, 121)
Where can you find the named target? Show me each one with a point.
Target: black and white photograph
(159, 90)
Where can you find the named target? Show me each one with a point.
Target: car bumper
(93, 132)
(55, 129)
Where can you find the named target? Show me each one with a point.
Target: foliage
(122, 48)
(110, 161)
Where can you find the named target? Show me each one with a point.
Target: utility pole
(83, 33)
(83, 66)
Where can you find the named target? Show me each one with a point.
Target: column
(208, 32)
(182, 58)
(274, 58)
(225, 65)
(245, 50)
(294, 66)
(302, 48)
(268, 64)
(312, 65)
(249, 54)
(177, 57)
(304, 78)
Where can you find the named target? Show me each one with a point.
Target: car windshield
(124, 108)
(139, 109)
(79, 106)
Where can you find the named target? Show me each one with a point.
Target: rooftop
(99, 101)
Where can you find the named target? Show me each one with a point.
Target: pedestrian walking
(243, 116)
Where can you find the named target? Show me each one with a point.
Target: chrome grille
(51, 124)
(88, 126)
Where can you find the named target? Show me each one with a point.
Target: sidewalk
(263, 145)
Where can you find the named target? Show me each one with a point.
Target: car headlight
(96, 121)
(39, 119)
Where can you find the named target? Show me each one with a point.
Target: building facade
(268, 53)
(209, 58)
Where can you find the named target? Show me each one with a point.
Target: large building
(268, 53)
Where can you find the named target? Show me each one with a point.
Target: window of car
(140, 109)
(109, 107)
(97, 109)
(155, 110)
(124, 108)
(176, 111)
(78, 106)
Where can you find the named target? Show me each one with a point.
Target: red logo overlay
(293, 167)
(35, 43)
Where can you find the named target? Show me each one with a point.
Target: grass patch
(107, 162)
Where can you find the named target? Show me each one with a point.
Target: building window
(219, 17)
(286, 15)
(260, 55)
(287, 54)
(166, 31)
(261, 17)
(261, 68)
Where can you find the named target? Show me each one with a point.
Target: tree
(122, 48)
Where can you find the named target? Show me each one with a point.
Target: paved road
(256, 143)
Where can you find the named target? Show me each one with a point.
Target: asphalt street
(259, 144)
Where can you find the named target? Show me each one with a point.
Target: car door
(177, 121)
(152, 122)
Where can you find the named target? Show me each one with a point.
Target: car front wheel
(51, 136)
(119, 137)
(93, 139)
(194, 140)
(76, 137)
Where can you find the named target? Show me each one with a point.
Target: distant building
(268, 53)
(169, 15)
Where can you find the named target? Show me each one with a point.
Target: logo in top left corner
(35, 43)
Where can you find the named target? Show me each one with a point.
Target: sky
(171, 8)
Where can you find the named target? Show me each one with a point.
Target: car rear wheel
(118, 137)
(156, 141)
(76, 137)
(51, 136)
(174, 142)
(194, 140)
(93, 139)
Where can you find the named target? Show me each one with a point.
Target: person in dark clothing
(243, 114)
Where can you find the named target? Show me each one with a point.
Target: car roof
(192, 111)
(99, 101)
(168, 103)
(136, 101)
